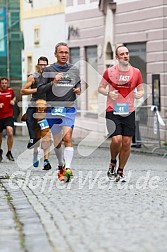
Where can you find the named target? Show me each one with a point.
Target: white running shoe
(120, 177)
(111, 171)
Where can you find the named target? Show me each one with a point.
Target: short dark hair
(43, 58)
(116, 50)
(60, 44)
(3, 78)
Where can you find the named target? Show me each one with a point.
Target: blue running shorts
(56, 122)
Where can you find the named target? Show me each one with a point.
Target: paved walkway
(89, 214)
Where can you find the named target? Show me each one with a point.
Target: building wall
(48, 16)
(145, 21)
(141, 22)
(86, 18)
(47, 20)
(84, 25)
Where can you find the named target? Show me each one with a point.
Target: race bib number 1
(121, 108)
(43, 124)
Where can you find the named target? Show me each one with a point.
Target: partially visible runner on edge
(121, 84)
(30, 88)
(7, 101)
(61, 83)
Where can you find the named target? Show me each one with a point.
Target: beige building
(43, 26)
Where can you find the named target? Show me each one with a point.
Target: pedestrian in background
(7, 101)
(30, 88)
(61, 84)
(122, 84)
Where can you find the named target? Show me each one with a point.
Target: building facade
(43, 26)
(85, 37)
(141, 25)
(93, 29)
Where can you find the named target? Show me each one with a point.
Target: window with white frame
(36, 36)
(29, 65)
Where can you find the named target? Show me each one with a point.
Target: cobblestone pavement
(89, 214)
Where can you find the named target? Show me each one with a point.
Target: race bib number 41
(61, 111)
(121, 108)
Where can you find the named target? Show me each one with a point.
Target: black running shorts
(120, 125)
(9, 121)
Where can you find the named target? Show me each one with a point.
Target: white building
(43, 26)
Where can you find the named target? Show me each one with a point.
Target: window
(29, 65)
(36, 36)
(137, 52)
(75, 56)
(109, 52)
(75, 59)
(92, 79)
(14, 20)
(109, 55)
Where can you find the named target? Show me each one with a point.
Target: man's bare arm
(26, 89)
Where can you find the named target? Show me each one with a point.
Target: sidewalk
(145, 148)
(90, 214)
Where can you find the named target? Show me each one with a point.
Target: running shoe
(68, 175)
(1, 152)
(9, 156)
(61, 172)
(35, 159)
(31, 143)
(111, 171)
(120, 177)
(46, 165)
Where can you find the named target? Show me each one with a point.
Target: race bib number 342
(61, 111)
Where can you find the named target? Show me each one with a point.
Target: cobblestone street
(89, 214)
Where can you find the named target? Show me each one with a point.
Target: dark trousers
(31, 122)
